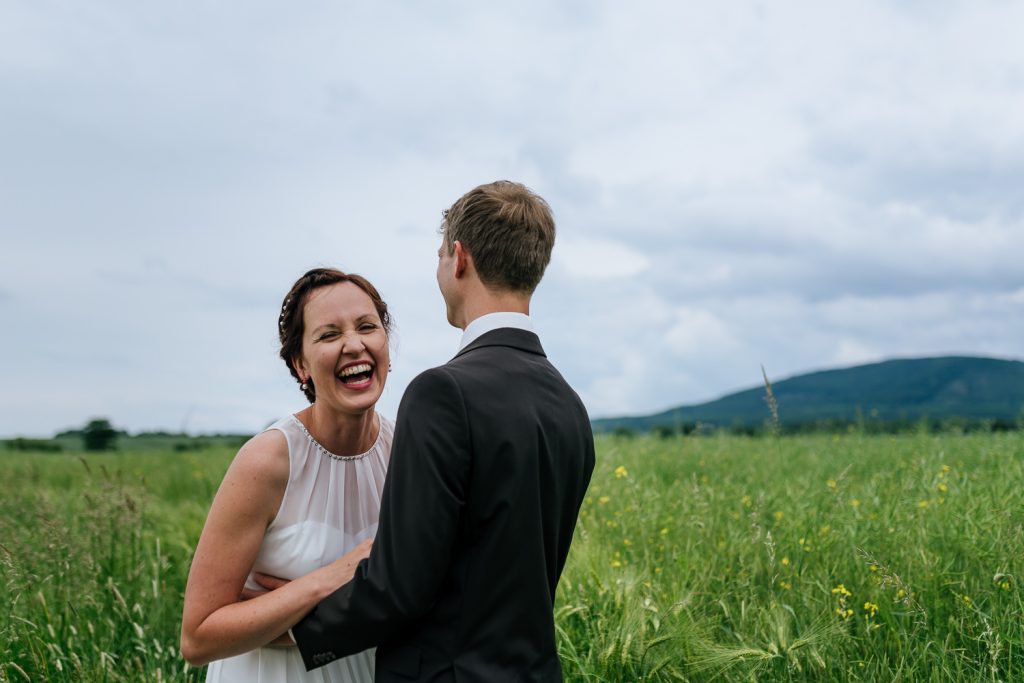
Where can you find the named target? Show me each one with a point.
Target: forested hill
(895, 390)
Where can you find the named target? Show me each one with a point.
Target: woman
(299, 496)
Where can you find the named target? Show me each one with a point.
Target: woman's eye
(367, 327)
(327, 335)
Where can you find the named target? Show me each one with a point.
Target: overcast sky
(798, 185)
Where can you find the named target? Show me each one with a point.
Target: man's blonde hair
(507, 229)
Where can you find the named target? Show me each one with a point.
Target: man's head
(508, 232)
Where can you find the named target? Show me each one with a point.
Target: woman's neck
(341, 433)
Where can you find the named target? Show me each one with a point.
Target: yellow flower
(967, 601)
(785, 562)
(871, 609)
(778, 515)
(664, 531)
(841, 590)
(616, 564)
(621, 472)
(626, 542)
(855, 503)
(945, 469)
(785, 585)
(746, 501)
(873, 568)
(831, 483)
(942, 487)
(1005, 585)
(900, 594)
(657, 570)
(922, 504)
(603, 500)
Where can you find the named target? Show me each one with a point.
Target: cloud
(795, 185)
(599, 259)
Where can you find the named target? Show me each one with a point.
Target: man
(491, 459)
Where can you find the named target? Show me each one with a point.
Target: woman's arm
(215, 624)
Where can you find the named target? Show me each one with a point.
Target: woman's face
(344, 348)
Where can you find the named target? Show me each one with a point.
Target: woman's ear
(300, 369)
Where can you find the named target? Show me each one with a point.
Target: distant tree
(662, 431)
(624, 432)
(99, 435)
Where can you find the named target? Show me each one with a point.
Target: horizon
(677, 406)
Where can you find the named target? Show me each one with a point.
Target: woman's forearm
(249, 624)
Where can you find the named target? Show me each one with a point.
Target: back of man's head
(507, 229)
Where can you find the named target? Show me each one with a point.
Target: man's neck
(493, 302)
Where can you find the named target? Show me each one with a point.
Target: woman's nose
(353, 344)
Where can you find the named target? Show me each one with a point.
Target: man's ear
(462, 258)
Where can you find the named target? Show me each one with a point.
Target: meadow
(824, 557)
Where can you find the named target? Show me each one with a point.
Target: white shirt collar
(494, 321)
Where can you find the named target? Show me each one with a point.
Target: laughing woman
(300, 500)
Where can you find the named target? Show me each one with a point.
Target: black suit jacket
(490, 462)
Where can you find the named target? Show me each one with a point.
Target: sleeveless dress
(330, 505)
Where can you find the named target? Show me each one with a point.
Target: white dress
(330, 505)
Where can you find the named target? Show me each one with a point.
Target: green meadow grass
(810, 558)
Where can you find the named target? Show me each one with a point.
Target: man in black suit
(491, 459)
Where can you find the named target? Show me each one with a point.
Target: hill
(890, 391)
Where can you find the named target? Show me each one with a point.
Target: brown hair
(507, 229)
(290, 324)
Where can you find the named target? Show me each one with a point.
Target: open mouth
(354, 375)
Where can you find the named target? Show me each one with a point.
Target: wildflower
(603, 500)
(657, 570)
(616, 564)
(825, 530)
(831, 483)
(664, 531)
(621, 472)
(747, 502)
(871, 609)
(841, 590)
(626, 542)
(967, 601)
(900, 594)
(785, 562)
(778, 515)
(1005, 585)
(945, 469)
(942, 488)
(855, 503)
(785, 585)
(922, 504)
(873, 568)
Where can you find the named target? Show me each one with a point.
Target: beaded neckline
(358, 456)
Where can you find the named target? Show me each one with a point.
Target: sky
(794, 185)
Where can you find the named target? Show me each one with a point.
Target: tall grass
(811, 558)
(94, 553)
(838, 558)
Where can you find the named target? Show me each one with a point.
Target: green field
(810, 558)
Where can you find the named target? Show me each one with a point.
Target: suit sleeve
(421, 506)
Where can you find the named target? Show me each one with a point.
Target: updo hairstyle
(290, 324)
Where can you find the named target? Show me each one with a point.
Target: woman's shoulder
(264, 457)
